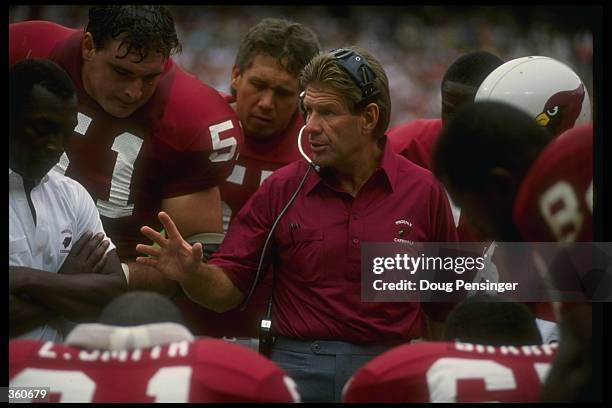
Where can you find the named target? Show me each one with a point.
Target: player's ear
(235, 75)
(88, 48)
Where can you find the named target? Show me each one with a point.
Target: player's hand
(88, 255)
(174, 258)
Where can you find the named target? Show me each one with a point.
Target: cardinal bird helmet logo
(561, 110)
(547, 89)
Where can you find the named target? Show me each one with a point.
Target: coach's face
(337, 138)
(120, 83)
(40, 131)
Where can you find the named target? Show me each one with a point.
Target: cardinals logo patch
(66, 241)
(403, 231)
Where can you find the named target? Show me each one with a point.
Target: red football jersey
(257, 160)
(207, 370)
(415, 141)
(555, 200)
(183, 140)
(452, 372)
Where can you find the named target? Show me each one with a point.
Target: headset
(360, 72)
(363, 76)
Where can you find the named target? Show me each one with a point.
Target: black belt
(332, 346)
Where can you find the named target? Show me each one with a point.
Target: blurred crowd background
(415, 44)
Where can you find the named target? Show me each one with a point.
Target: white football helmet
(545, 88)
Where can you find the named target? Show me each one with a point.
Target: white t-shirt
(64, 212)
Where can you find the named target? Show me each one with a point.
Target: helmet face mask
(545, 88)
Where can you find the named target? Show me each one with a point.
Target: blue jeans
(321, 368)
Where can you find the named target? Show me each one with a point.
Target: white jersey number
(219, 144)
(73, 386)
(237, 177)
(128, 148)
(168, 384)
(443, 375)
(565, 222)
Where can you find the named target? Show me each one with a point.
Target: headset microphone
(266, 340)
(316, 167)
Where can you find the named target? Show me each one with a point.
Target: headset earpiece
(301, 103)
(360, 72)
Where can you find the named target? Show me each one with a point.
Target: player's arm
(196, 213)
(25, 315)
(175, 259)
(26, 312)
(76, 296)
(191, 195)
(198, 217)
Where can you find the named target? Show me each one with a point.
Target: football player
(264, 94)
(490, 352)
(265, 88)
(526, 190)
(149, 136)
(481, 161)
(555, 199)
(556, 98)
(415, 139)
(555, 203)
(141, 352)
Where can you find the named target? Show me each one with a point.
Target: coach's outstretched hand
(174, 258)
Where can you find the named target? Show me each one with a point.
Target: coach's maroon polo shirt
(315, 248)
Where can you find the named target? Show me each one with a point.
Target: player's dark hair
(292, 44)
(472, 68)
(142, 29)
(23, 75)
(482, 136)
(491, 321)
(463, 78)
(140, 307)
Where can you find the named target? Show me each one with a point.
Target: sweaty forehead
(154, 63)
(118, 47)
